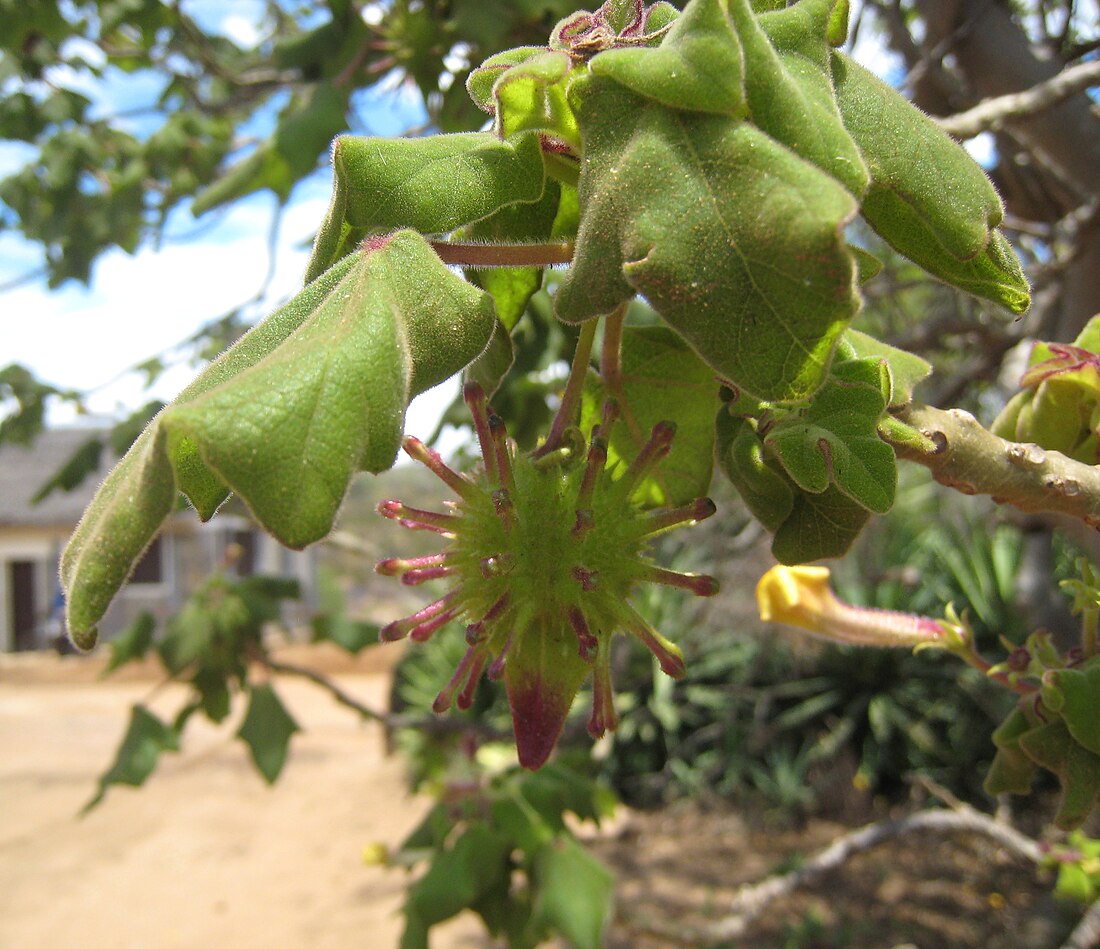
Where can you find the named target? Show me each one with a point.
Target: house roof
(23, 470)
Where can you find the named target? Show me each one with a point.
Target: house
(32, 537)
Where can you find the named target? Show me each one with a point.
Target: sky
(139, 305)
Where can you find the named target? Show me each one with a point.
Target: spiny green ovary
(539, 551)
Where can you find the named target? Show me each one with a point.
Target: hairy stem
(468, 254)
(965, 456)
(574, 387)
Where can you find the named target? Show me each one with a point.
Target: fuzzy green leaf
(698, 65)
(145, 739)
(927, 197)
(741, 250)
(766, 491)
(819, 526)
(285, 418)
(431, 185)
(1077, 769)
(1012, 770)
(1081, 711)
(834, 439)
(906, 369)
(267, 729)
(788, 77)
(481, 80)
(662, 380)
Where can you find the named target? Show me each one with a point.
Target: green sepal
(662, 380)
(834, 438)
(543, 675)
(741, 251)
(698, 66)
(431, 185)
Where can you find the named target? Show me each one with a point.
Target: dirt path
(205, 854)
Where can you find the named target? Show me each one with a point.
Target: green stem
(468, 254)
(1090, 632)
(574, 387)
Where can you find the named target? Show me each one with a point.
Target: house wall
(189, 552)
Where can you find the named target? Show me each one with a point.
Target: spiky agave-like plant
(545, 551)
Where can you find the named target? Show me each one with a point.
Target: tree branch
(753, 898)
(972, 460)
(991, 113)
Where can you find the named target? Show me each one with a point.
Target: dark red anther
(665, 518)
(668, 656)
(698, 583)
(499, 435)
(588, 579)
(432, 460)
(603, 718)
(478, 405)
(593, 467)
(418, 520)
(587, 644)
(656, 448)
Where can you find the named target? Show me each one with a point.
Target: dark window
(150, 569)
(24, 607)
(243, 545)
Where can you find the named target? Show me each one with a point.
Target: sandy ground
(205, 854)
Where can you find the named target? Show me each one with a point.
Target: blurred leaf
(81, 463)
(145, 739)
(267, 729)
(349, 634)
(132, 643)
(474, 865)
(573, 892)
(1077, 769)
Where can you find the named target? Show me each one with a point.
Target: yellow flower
(800, 596)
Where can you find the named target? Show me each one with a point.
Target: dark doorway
(22, 577)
